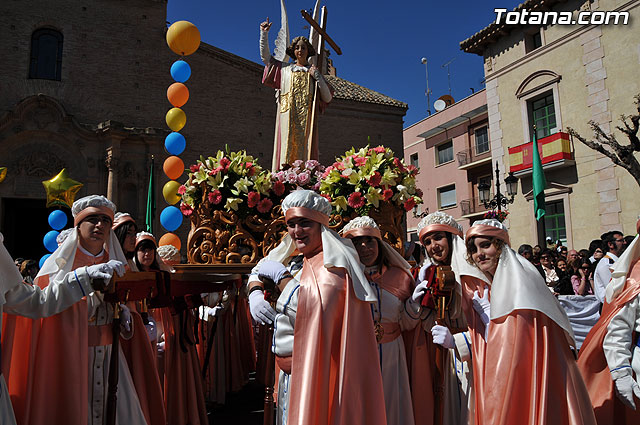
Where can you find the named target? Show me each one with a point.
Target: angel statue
(296, 85)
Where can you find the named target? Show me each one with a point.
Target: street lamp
(499, 201)
(427, 92)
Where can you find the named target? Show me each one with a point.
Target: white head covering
(439, 221)
(169, 253)
(621, 269)
(337, 251)
(517, 284)
(366, 226)
(63, 235)
(61, 261)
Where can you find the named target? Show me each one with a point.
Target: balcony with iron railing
(477, 155)
(471, 207)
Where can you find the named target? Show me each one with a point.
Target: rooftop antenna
(427, 91)
(448, 73)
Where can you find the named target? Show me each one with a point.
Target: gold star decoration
(61, 190)
(3, 173)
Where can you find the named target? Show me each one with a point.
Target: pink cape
(54, 354)
(141, 359)
(525, 373)
(335, 375)
(593, 364)
(183, 392)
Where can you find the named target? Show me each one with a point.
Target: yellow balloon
(3, 173)
(176, 119)
(61, 190)
(170, 192)
(183, 38)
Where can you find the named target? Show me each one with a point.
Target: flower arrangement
(496, 215)
(361, 179)
(300, 174)
(230, 181)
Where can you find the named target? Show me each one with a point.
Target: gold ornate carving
(223, 237)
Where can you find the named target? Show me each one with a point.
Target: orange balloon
(183, 38)
(170, 239)
(173, 167)
(178, 94)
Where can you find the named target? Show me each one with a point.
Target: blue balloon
(57, 219)
(49, 240)
(171, 218)
(180, 71)
(43, 259)
(174, 143)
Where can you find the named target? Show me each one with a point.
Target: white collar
(611, 255)
(295, 67)
(88, 253)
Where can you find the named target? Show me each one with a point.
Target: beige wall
(598, 68)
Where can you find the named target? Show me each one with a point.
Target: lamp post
(499, 200)
(427, 92)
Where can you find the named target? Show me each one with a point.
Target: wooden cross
(323, 36)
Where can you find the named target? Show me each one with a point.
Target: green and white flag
(539, 182)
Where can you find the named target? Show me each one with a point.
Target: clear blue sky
(382, 41)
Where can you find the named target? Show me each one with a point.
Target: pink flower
(265, 205)
(387, 194)
(316, 186)
(278, 188)
(280, 176)
(291, 177)
(213, 172)
(409, 204)
(356, 200)
(186, 209)
(327, 197)
(327, 171)
(360, 161)
(297, 163)
(194, 168)
(253, 198)
(224, 162)
(311, 164)
(304, 178)
(379, 149)
(399, 164)
(215, 197)
(375, 179)
(182, 190)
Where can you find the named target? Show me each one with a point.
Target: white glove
(422, 274)
(419, 292)
(273, 270)
(152, 332)
(482, 306)
(260, 309)
(217, 310)
(626, 386)
(442, 336)
(105, 270)
(125, 317)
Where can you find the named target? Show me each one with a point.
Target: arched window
(46, 54)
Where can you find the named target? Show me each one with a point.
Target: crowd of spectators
(571, 272)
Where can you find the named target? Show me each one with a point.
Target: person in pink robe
(74, 346)
(335, 372)
(610, 354)
(183, 387)
(524, 368)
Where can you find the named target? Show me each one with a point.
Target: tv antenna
(448, 73)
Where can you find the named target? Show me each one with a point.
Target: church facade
(84, 88)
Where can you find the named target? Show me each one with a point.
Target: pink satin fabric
(306, 213)
(363, 231)
(395, 281)
(525, 373)
(183, 392)
(91, 211)
(100, 335)
(335, 375)
(593, 364)
(141, 359)
(488, 231)
(53, 355)
(439, 228)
